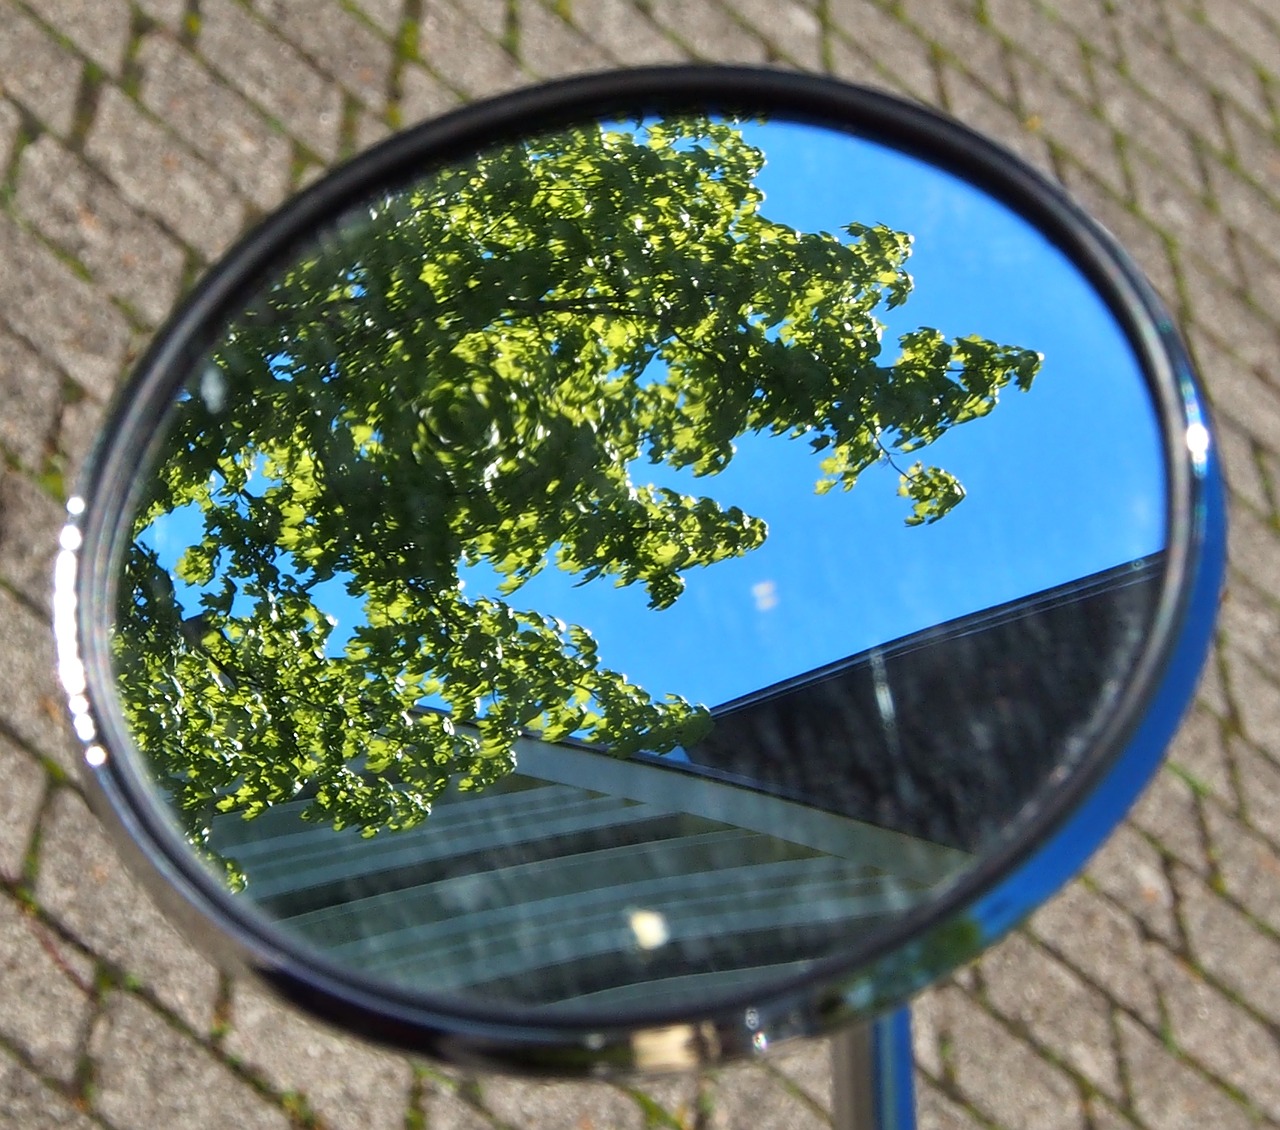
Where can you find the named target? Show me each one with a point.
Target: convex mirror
(639, 569)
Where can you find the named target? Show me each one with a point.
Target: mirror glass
(631, 564)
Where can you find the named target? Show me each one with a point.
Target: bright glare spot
(70, 538)
(75, 505)
(761, 1041)
(96, 756)
(1197, 440)
(213, 389)
(649, 928)
(766, 595)
(84, 728)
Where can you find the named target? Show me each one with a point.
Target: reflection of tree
(473, 373)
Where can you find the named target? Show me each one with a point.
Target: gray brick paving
(80, 212)
(148, 133)
(39, 73)
(47, 990)
(351, 1088)
(161, 177)
(148, 1074)
(20, 800)
(27, 1103)
(272, 72)
(100, 30)
(31, 389)
(84, 887)
(214, 120)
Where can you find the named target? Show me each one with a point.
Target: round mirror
(638, 569)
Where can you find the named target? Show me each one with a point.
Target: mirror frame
(1074, 813)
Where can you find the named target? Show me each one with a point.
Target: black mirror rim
(998, 890)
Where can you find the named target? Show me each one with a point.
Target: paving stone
(1091, 21)
(1135, 235)
(171, 13)
(550, 48)
(1257, 703)
(708, 31)
(1147, 18)
(20, 799)
(422, 96)
(625, 33)
(1169, 82)
(1250, 622)
(1046, 44)
(1004, 1078)
(46, 986)
(792, 29)
(386, 14)
(80, 211)
(1199, 752)
(1255, 38)
(215, 121)
(1254, 147)
(27, 1104)
(902, 58)
(1067, 123)
(58, 312)
(747, 1095)
(1218, 65)
(30, 389)
(29, 523)
(1260, 270)
(463, 55)
(974, 105)
(159, 176)
(35, 713)
(346, 1083)
(1168, 812)
(446, 1111)
(150, 1075)
(36, 71)
(100, 30)
(1227, 946)
(1260, 788)
(1214, 306)
(928, 1017)
(270, 72)
(1245, 207)
(935, 1111)
(81, 882)
(491, 16)
(1240, 464)
(1248, 864)
(338, 43)
(550, 1106)
(973, 47)
(369, 131)
(1062, 1013)
(1218, 1034)
(1101, 942)
(807, 1064)
(10, 122)
(1236, 390)
(1151, 127)
(1131, 872)
(77, 431)
(1167, 1093)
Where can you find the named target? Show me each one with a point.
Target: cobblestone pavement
(138, 137)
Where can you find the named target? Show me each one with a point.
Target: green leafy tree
(477, 368)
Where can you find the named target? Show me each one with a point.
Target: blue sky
(1063, 481)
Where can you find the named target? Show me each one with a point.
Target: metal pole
(871, 1076)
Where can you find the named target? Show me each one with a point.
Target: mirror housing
(1037, 841)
